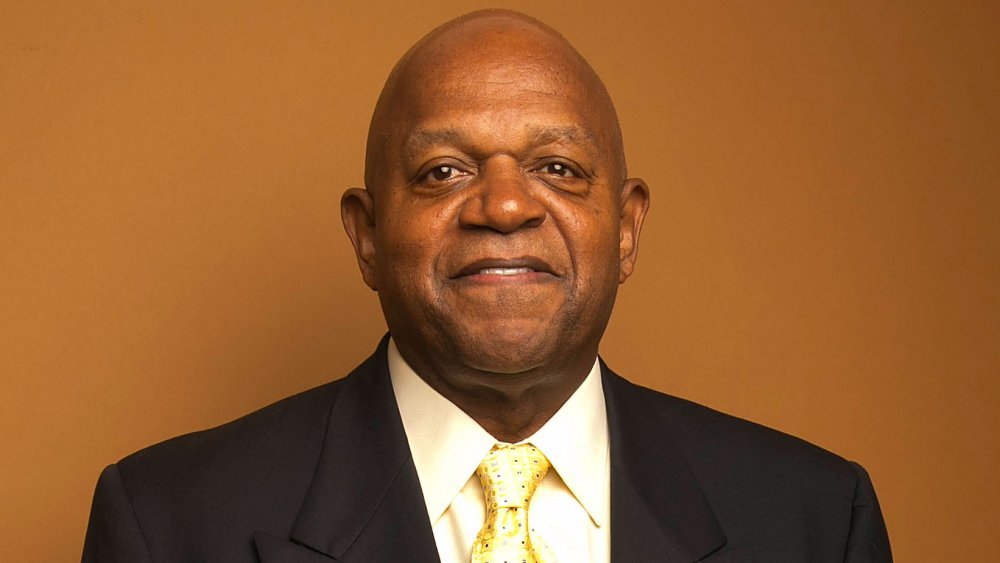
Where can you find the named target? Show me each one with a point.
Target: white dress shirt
(570, 509)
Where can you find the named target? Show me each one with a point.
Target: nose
(501, 199)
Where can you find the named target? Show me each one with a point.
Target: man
(497, 222)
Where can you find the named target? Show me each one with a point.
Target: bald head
(496, 55)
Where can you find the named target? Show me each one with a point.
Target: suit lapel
(271, 548)
(364, 503)
(658, 510)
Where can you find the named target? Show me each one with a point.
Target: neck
(514, 417)
(509, 406)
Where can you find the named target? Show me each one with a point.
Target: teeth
(504, 271)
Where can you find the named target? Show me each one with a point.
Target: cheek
(599, 258)
(410, 224)
(407, 247)
(592, 236)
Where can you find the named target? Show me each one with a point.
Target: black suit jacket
(327, 475)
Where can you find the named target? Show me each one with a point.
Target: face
(500, 225)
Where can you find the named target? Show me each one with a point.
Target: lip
(503, 268)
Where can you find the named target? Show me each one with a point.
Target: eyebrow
(564, 134)
(422, 139)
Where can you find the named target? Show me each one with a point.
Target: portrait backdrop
(822, 253)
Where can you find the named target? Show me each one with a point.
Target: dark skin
(498, 220)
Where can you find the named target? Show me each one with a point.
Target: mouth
(499, 269)
(503, 271)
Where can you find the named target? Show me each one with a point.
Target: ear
(357, 210)
(634, 204)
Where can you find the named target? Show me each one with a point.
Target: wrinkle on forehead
(423, 139)
(491, 49)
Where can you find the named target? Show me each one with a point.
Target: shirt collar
(448, 445)
(575, 440)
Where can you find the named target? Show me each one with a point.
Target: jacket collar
(364, 502)
(658, 509)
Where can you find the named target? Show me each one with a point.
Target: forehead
(496, 80)
(476, 83)
(493, 45)
(527, 88)
(429, 135)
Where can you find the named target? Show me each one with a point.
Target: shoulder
(733, 457)
(198, 492)
(206, 491)
(778, 495)
(291, 428)
(202, 492)
(287, 433)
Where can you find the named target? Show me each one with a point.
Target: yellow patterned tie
(509, 475)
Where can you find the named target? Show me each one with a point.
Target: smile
(518, 267)
(504, 271)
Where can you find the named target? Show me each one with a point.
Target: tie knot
(509, 475)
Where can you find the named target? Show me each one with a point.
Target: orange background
(821, 255)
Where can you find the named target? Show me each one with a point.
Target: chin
(503, 365)
(507, 353)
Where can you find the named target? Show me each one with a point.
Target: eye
(442, 173)
(558, 169)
